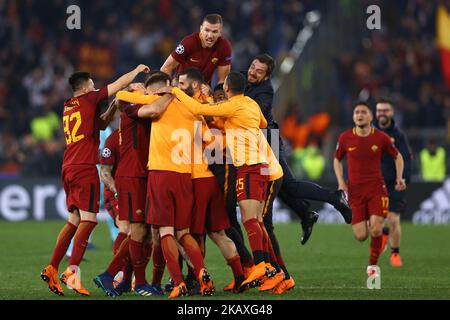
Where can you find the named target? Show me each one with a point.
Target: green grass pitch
(331, 266)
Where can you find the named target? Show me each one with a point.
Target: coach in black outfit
(397, 202)
(293, 192)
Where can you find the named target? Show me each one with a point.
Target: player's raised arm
(169, 65)
(126, 79)
(222, 72)
(108, 115)
(154, 109)
(399, 165)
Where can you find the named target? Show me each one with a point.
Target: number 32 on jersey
(71, 135)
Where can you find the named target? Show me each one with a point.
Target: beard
(383, 121)
(189, 91)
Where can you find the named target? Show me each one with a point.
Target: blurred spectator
(433, 162)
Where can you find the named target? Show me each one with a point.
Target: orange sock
(80, 241)
(62, 243)
(121, 258)
(193, 252)
(170, 251)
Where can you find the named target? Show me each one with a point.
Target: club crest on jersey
(214, 60)
(374, 148)
(179, 49)
(106, 153)
(138, 212)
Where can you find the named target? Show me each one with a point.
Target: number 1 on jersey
(72, 136)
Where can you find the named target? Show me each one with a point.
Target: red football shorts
(82, 187)
(131, 193)
(367, 200)
(251, 182)
(209, 212)
(111, 203)
(171, 197)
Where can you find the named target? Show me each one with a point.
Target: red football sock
(247, 263)
(121, 258)
(62, 243)
(120, 237)
(148, 246)
(266, 242)
(138, 261)
(255, 238)
(158, 264)
(193, 252)
(170, 251)
(80, 241)
(375, 249)
(200, 241)
(236, 267)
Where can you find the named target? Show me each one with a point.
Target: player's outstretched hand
(142, 68)
(343, 187)
(400, 185)
(206, 90)
(164, 90)
(137, 86)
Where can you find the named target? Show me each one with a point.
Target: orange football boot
(271, 283)
(284, 286)
(50, 275)
(206, 283)
(396, 260)
(72, 281)
(229, 286)
(259, 271)
(178, 291)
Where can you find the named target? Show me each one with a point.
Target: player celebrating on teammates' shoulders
(364, 145)
(397, 203)
(205, 50)
(82, 124)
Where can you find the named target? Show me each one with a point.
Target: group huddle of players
(183, 157)
(164, 201)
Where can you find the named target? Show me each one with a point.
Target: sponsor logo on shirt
(351, 148)
(179, 49)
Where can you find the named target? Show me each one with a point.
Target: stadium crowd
(38, 53)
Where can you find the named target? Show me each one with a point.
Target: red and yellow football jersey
(191, 53)
(81, 128)
(134, 137)
(364, 155)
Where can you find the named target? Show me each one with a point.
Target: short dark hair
(236, 82)
(77, 79)
(157, 76)
(268, 61)
(193, 73)
(218, 87)
(213, 18)
(361, 103)
(387, 101)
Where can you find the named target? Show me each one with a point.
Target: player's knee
(138, 232)
(361, 236)
(180, 233)
(74, 219)
(376, 230)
